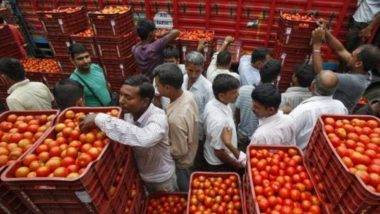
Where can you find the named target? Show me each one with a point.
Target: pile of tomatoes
(357, 142)
(297, 17)
(196, 35)
(41, 65)
(115, 9)
(87, 33)
(213, 193)
(66, 10)
(281, 183)
(167, 203)
(18, 133)
(66, 152)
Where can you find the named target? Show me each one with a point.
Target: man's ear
(358, 63)
(80, 102)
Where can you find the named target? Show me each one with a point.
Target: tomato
(42, 171)
(329, 120)
(22, 172)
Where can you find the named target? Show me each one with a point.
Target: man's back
(293, 96)
(248, 120)
(26, 95)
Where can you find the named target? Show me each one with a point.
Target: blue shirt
(248, 74)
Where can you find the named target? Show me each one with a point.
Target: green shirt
(96, 80)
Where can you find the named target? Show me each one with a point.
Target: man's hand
(318, 36)
(366, 33)
(322, 23)
(87, 123)
(229, 39)
(227, 136)
(201, 45)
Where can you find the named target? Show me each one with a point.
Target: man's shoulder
(246, 89)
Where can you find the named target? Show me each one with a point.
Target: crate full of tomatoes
(19, 130)
(64, 20)
(211, 192)
(66, 170)
(87, 38)
(112, 21)
(175, 203)
(279, 182)
(343, 155)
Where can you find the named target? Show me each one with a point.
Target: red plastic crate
(106, 25)
(348, 193)
(215, 175)
(87, 193)
(159, 195)
(59, 23)
(251, 202)
(116, 47)
(88, 41)
(59, 44)
(135, 197)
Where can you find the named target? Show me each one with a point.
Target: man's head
(68, 93)
(169, 79)
(80, 57)
(374, 104)
(259, 57)
(325, 83)
(223, 60)
(194, 65)
(171, 55)
(365, 58)
(303, 76)
(265, 100)
(146, 30)
(11, 70)
(270, 71)
(225, 88)
(136, 94)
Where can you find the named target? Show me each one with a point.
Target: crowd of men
(185, 117)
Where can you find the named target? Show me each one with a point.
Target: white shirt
(248, 120)
(367, 10)
(26, 95)
(278, 129)
(148, 137)
(248, 74)
(213, 71)
(306, 114)
(183, 68)
(217, 116)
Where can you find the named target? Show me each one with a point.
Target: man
(299, 90)
(148, 53)
(306, 114)
(363, 22)
(68, 93)
(221, 62)
(270, 72)
(362, 62)
(371, 108)
(218, 115)
(145, 128)
(275, 128)
(250, 66)
(183, 120)
(171, 55)
(90, 76)
(23, 94)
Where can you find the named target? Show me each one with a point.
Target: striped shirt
(293, 96)
(248, 120)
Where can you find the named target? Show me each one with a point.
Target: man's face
(171, 60)
(162, 89)
(82, 61)
(260, 110)
(355, 62)
(259, 64)
(229, 96)
(193, 71)
(130, 100)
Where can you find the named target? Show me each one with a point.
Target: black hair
(77, 48)
(223, 58)
(67, 92)
(259, 54)
(370, 56)
(304, 74)
(267, 95)
(224, 83)
(144, 28)
(12, 68)
(171, 52)
(146, 89)
(169, 74)
(270, 71)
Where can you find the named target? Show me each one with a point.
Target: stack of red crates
(115, 36)
(292, 46)
(8, 45)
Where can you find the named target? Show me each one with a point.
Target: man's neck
(223, 67)
(190, 83)
(175, 95)
(137, 115)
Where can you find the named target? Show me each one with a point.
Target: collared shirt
(183, 68)
(306, 114)
(183, 129)
(367, 10)
(213, 70)
(351, 88)
(217, 116)
(26, 95)
(248, 74)
(149, 55)
(148, 137)
(278, 129)
(248, 120)
(96, 80)
(293, 96)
